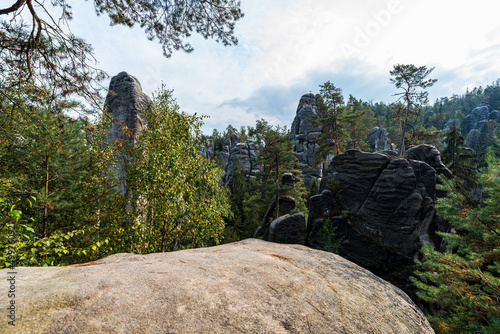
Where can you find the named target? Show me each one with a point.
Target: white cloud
(289, 47)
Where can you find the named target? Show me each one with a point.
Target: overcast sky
(289, 47)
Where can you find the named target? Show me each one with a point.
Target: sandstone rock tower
(126, 103)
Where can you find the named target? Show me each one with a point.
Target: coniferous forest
(61, 195)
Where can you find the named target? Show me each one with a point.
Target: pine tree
(359, 121)
(464, 282)
(276, 157)
(59, 167)
(329, 118)
(409, 78)
(461, 161)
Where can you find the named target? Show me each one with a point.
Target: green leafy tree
(178, 200)
(410, 79)
(454, 143)
(329, 118)
(239, 225)
(486, 136)
(464, 282)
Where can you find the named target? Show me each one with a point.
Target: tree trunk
(401, 150)
(277, 187)
(46, 201)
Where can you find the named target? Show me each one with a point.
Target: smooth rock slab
(250, 286)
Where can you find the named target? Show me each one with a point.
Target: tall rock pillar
(125, 103)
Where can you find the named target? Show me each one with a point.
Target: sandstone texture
(235, 152)
(304, 135)
(377, 139)
(476, 120)
(382, 208)
(250, 286)
(126, 103)
(289, 229)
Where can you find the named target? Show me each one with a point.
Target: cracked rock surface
(251, 286)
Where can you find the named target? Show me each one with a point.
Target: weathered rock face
(377, 139)
(304, 134)
(240, 153)
(247, 287)
(227, 145)
(476, 120)
(477, 117)
(289, 229)
(208, 150)
(381, 206)
(125, 102)
(431, 156)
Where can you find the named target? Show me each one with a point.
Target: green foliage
(243, 223)
(462, 162)
(410, 78)
(420, 135)
(178, 200)
(331, 242)
(359, 121)
(276, 157)
(22, 246)
(464, 282)
(64, 165)
(329, 117)
(454, 144)
(486, 136)
(172, 21)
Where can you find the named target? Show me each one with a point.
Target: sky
(288, 48)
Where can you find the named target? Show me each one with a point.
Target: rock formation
(382, 207)
(247, 287)
(476, 120)
(450, 122)
(288, 229)
(125, 102)
(430, 155)
(235, 153)
(377, 139)
(304, 134)
(208, 150)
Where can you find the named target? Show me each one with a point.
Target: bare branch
(12, 8)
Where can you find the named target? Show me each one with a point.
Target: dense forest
(60, 201)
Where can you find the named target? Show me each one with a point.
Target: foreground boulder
(250, 286)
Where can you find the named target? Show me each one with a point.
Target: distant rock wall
(377, 139)
(234, 153)
(476, 120)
